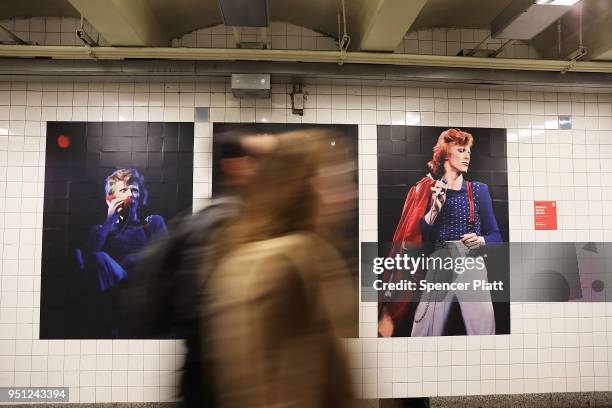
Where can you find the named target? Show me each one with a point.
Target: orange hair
(128, 176)
(440, 150)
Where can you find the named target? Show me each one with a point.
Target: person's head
(127, 183)
(451, 153)
(281, 194)
(280, 197)
(238, 154)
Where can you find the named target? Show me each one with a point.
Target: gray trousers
(433, 310)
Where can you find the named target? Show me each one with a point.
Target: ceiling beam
(597, 32)
(382, 24)
(123, 22)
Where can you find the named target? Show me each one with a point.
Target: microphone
(127, 202)
(439, 193)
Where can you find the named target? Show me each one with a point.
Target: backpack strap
(470, 197)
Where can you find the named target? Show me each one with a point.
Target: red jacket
(409, 227)
(408, 231)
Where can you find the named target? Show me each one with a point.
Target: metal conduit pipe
(214, 54)
(25, 69)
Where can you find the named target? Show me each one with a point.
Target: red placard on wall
(545, 215)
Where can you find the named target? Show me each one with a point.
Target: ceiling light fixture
(558, 2)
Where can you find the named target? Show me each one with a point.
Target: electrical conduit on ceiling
(213, 54)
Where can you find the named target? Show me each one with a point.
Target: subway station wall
(554, 347)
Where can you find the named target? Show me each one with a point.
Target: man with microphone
(112, 251)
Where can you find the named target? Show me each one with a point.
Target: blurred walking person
(280, 297)
(167, 301)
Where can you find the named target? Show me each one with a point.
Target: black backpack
(165, 300)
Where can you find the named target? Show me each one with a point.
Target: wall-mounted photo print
(443, 217)
(323, 204)
(110, 190)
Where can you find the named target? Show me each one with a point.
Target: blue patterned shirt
(453, 220)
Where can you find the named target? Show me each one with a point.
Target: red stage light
(63, 141)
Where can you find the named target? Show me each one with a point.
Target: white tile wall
(553, 347)
(282, 36)
(49, 30)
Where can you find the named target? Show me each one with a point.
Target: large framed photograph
(110, 190)
(443, 197)
(342, 140)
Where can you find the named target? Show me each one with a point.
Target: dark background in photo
(74, 202)
(403, 153)
(350, 135)
(350, 132)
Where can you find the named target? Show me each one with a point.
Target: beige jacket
(277, 312)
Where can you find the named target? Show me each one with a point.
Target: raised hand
(115, 206)
(385, 325)
(438, 195)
